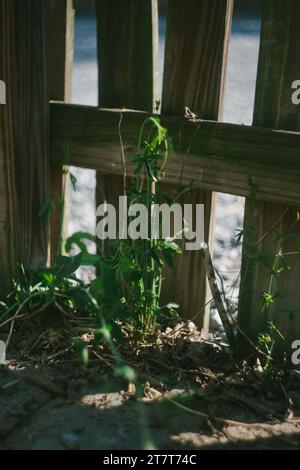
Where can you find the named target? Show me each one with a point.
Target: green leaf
(45, 211)
(66, 265)
(77, 239)
(95, 287)
(117, 333)
(169, 258)
(172, 305)
(49, 277)
(268, 298)
(151, 172)
(155, 256)
(173, 246)
(125, 372)
(89, 259)
(81, 351)
(108, 280)
(73, 181)
(103, 333)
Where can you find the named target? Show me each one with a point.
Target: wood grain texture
(127, 53)
(8, 192)
(279, 66)
(60, 88)
(25, 66)
(61, 49)
(185, 283)
(223, 157)
(196, 51)
(31, 123)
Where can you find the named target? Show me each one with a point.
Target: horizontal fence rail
(242, 160)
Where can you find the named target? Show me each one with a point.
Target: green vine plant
(266, 342)
(273, 299)
(132, 275)
(128, 287)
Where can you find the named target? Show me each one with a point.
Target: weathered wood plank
(195, 63)
(222, 157)
(279, 66)
(61, 49)
(127, 53)
(8, 193)
(60, 88)
(24, 53)
(197, 42)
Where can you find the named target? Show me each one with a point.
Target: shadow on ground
(82, 407)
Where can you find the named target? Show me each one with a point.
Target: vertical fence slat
(127, 60)
(25, 63)
(23, 134)
(8, 195)
(61, 50)
(197, 42)
(279, 66)
(127, 53)
(32, 143)
(195, 61)
(60, 88)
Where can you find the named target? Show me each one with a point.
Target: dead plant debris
(189, 393)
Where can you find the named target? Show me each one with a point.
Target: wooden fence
(261, 162)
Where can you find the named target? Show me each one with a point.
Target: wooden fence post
(127, 53)
(8, 193)
(268, 294)
(195, 62)
(24, 135)
(60, 88)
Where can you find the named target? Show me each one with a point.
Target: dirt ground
(189, 397)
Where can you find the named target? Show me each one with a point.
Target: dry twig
(217, 296)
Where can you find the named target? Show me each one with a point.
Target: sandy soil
(55, 402)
